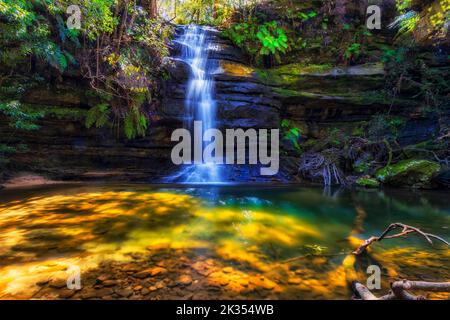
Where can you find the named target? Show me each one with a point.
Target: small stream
(222, 242)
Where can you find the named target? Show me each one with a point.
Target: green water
(223, 242)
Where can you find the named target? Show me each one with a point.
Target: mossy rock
(57, 111)
(289, 75)
(367, 182)
(415, 173)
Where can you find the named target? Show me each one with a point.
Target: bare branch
(405, 231)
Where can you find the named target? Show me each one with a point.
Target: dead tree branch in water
(398, 290)
(405, 231)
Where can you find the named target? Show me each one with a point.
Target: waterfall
(199, 103)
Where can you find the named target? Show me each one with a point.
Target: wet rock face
(226, 51)
(418, 130)
(69, 95)
(71, 151)
(239, 114)
(179, 70)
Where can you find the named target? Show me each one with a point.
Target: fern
(4, 149)
(260, 39)
(129, 127)
(98, 116)
(135, 124)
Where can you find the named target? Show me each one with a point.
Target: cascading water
(200, 104)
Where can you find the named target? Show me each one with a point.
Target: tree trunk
(153, 10)
(151, 6)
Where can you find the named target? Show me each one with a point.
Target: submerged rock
(66, 294)
(416, 173)
(125, 293)
(150, 272)
(184, 280)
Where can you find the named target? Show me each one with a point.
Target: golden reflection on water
(42, 236)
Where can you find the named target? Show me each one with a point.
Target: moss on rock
(58, 112)
(289, 75)
(416, 173)
(367, 182)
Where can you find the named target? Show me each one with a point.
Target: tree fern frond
(98, 115)
(129, 127)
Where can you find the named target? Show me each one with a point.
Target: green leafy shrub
(354, 47)
(18, 118)
(291, 133)
(305, 16)
(353, 51)
(273, 40)
(119, 50)
(19, 17)
(259, 40)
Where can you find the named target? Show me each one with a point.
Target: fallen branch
(405, 231)
(398, 290)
